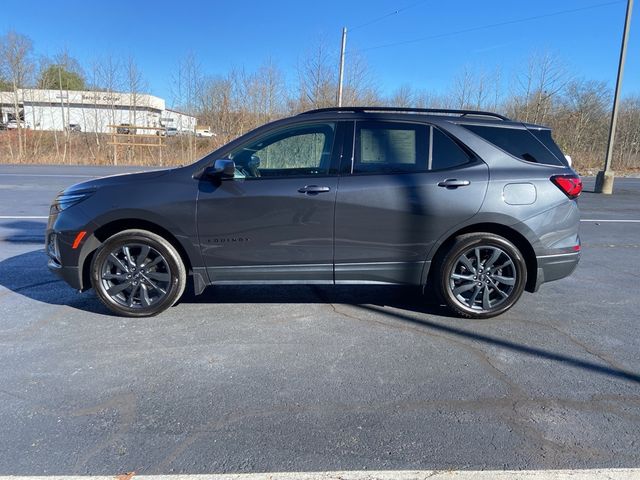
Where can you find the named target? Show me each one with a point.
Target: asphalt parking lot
(297, 378)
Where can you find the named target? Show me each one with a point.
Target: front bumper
(71, 275)
(55, 246)
(64, 260)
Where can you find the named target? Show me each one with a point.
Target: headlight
(66, 200)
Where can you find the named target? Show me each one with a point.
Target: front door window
(297, 151)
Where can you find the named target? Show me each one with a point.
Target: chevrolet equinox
(470, 205)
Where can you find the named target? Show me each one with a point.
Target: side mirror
(222, 169)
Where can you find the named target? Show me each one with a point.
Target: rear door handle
(313, 189)
(454, 183)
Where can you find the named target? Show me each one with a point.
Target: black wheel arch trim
(508, 227)
(112, 223)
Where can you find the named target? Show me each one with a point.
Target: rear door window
(390, 147)
(520, 143)
(397, 147)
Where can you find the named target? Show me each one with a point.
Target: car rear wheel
(481, 276)
(137, 273)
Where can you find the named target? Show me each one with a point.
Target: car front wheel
(137, 273)
(481, 276)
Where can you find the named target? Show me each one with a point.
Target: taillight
(571, 185)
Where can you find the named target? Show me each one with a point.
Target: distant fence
(127, 139)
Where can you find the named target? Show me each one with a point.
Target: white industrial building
(92, 111)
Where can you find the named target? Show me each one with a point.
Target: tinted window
(302, 150)
(388, 147)
(446, 153)
(518, 142)
(545, 137)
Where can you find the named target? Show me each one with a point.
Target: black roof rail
(436, 111)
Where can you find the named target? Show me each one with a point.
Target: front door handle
(454, 183)
(313, 189)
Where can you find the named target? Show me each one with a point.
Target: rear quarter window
(446, 153)
(520, 143)
(544, 136)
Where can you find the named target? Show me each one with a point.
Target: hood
(119, 179)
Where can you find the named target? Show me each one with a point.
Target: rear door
(403, 187)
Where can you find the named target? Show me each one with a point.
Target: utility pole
(604, 180)
(341, 72)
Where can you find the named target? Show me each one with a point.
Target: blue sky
(239, 33)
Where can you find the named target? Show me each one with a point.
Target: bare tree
(360, 87)
(628, 135)
(187, 86)
(108, 75)
(216, 105)
(404, 96)
(266, 92)
(476, 89)
(462, 86)
(317, 82)
(17, 66)
(428, 99)
(536, 88)
(136, 84)
(580, 120)
(187, 82)
(108, 81)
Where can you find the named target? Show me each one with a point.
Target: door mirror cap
(223, 168)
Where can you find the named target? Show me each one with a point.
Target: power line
(344, 43)
(491, 25)
(386, 15)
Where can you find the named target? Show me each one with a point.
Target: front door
(273, 222)
(405, 187)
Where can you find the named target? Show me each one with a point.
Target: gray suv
(469, 205)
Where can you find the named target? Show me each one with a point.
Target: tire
(484, 292)
(132, 286)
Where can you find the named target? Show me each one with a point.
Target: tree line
(544, 90)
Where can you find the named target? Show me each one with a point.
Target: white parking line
(609, 473)
(23, 217)
(45, 175)
(608, 221)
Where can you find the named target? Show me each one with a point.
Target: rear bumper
(555, 267)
